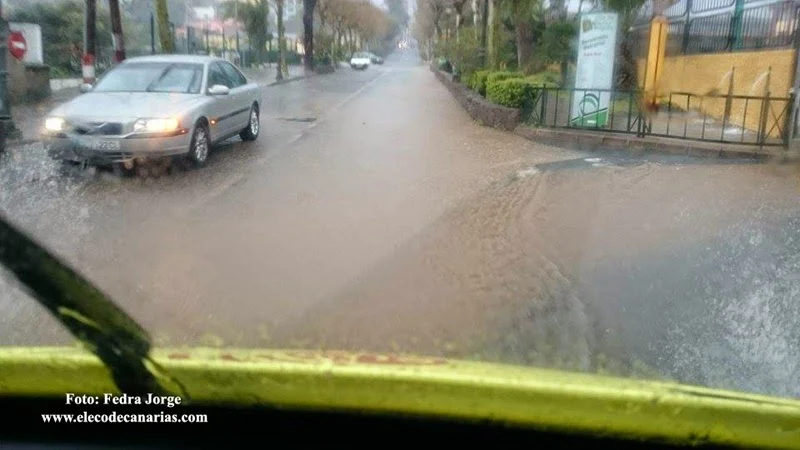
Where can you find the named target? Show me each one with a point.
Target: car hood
(432, 387)
(360, 60)
(127, 105)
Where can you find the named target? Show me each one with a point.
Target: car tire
(200, 145)
(253, 125)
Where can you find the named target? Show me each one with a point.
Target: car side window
(234, 75)
(217, 76)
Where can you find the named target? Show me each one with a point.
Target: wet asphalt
(373, 214)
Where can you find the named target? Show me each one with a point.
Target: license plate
(103, 145)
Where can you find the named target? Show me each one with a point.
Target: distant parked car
(375, 59)
(152, 107)
(360, 60)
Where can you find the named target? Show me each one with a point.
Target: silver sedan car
(153, 107)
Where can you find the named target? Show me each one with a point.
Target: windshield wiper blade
(89, 314)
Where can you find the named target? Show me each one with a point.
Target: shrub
(511, 92)
(500, 76)
(479, 81)
(444, 65)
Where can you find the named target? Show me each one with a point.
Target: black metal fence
(715, 26)
(731, 119)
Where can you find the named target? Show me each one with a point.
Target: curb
(599, 141)
(289, 80)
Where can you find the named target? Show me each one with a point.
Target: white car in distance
(360, 60)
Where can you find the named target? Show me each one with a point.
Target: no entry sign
(17, 44)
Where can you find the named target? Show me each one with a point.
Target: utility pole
(89, 41)
(116, 31)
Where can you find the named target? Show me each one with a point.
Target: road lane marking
(352, 96)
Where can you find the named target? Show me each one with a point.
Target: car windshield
(153, 77)
(361, 55)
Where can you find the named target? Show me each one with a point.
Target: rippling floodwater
(672, 270)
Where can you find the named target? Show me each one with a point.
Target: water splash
(748, 337)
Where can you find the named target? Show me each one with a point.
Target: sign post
(594, 77)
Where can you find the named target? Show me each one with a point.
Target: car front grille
(98, 128)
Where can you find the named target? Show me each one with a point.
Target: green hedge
(444, 65)
(511, 92)
(478, 81)
(494, 77)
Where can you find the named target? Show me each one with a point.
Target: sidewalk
(266, 75)
(28, 117)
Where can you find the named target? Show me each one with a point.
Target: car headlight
(156, 125)
(54, 124)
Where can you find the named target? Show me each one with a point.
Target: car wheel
(251, 132)
(200, 145)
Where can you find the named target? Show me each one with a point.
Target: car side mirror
(219, 89)
(85, 87)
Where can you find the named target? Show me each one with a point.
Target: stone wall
(480, 109)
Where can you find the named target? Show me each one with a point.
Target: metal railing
(731, 119)
(765, 26)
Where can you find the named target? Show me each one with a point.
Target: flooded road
(373, 214)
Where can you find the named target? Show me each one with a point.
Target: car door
(241, 95)
(223, 108)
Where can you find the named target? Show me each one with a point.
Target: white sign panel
(595, 70)
(33, 40)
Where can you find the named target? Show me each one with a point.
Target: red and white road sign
(17, 45)
(87, 67)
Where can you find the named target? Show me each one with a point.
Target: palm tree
(164, 32)
(522, 13)
(253, 15)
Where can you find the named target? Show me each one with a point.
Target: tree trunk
(484, 30)
(493, 35)
(524, 42)
(164, 33)
(475, 14)
(90, 38)
(308, 33)
(351, 44)
(281, 41)
(334, 39)
(116, 31)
